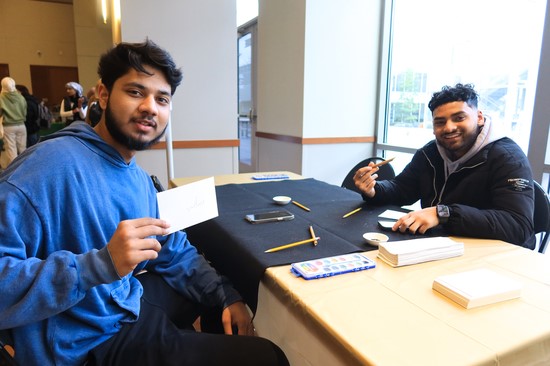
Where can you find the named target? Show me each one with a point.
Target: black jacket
(32, 121)
(490, 196)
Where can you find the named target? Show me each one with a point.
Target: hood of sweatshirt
(487, 135)
(14, 97)
(87, 135)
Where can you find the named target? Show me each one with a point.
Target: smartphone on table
(271, 216)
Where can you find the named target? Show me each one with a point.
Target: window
(493, 44)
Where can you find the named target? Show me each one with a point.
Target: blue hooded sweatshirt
(60, 203)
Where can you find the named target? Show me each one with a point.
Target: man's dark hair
(117, 62)
(459, 93)
(22, 89)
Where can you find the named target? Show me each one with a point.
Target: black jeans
(163, 335)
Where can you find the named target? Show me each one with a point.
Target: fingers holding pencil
(384, 162)
(363, 171)
(365, 178)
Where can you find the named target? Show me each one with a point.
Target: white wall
(201, 36)
(341, 67)
(341, 83)
(281, 37)
(332, 162)
(317, 78)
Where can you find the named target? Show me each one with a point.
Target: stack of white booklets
(406, 252)
(477, 287)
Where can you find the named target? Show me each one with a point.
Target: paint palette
(331, 266)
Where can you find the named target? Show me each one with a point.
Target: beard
(124, 139)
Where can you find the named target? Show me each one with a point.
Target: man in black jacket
(32, 122)
(469, 180)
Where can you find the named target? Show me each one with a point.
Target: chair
(157, 183)
(6, 349)
(386, 172)
(541, 217)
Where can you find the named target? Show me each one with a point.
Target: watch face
(442, 211)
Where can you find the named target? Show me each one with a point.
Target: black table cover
(236, 247)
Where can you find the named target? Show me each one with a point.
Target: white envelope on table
(392, 214)
(189, 204)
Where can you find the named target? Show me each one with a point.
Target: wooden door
(4, 71)
(49, 82)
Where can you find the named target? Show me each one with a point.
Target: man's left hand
(417, 221)
(237, 315)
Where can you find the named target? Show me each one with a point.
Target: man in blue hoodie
(79, 222)
(470, 180)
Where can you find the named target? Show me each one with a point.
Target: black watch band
(443, 213)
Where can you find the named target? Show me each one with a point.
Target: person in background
(91, 93)
(45, 114)
(13, 110)
(32, 121)
(72, 286)
(470, 180)
(73, 106)
(93, 115)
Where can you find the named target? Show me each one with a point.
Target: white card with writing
(189, 204)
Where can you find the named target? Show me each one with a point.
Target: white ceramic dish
(375, 238)
(282, 200)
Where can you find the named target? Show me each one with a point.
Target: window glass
(245, 98)
(493, 44)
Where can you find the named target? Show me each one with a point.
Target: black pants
(163, 335)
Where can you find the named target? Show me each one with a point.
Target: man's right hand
(365, 179)
(133, 242)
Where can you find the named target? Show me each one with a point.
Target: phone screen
(280, 215)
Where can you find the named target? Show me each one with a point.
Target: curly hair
(458, 93)
(117, 62)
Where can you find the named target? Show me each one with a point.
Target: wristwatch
(443, 213)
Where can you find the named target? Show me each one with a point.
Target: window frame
(381, 147)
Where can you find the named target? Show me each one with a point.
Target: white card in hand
(189, 204)
(392, 215)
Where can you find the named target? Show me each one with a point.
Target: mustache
(147, 120)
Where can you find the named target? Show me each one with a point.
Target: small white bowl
(282, 200)
(375, 238)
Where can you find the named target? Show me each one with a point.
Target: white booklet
(477, 287)
(406, 252)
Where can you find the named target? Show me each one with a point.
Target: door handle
(251, 116)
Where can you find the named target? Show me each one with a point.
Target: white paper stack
(477, 287)
(406, 252)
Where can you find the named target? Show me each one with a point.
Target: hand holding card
(189, 204)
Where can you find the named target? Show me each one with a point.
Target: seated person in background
(471, 181)
(74, 242)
